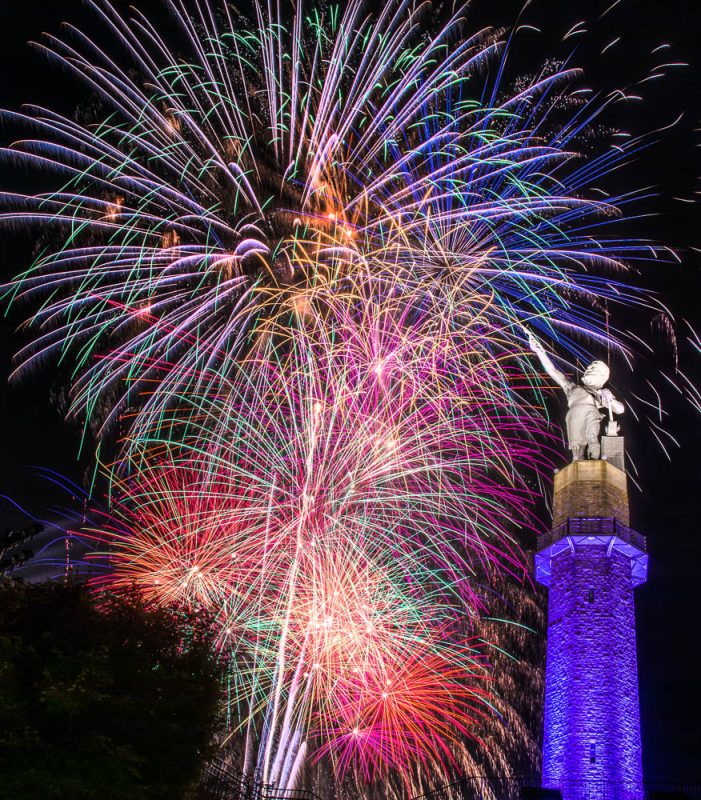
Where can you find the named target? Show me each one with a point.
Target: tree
(101, 697)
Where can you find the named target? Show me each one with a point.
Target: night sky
(668, 509)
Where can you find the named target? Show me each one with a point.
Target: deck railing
(593, 526)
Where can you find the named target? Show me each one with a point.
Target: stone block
(590, 489)
(613, 451)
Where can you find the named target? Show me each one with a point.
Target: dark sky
(668, 508)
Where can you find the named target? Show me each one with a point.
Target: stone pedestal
(590, 489)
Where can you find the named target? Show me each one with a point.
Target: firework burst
(354, 491)
(296, 254)
(234, 190)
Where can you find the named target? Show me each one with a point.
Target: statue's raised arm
(584, 402)
(559, 377)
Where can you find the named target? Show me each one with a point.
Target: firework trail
(229, 191)
(375, 670)
(341, 519)
(296, 255)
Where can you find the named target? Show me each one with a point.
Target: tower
(591, 562)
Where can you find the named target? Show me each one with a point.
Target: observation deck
(578, 532)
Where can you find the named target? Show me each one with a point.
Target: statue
(584, 403)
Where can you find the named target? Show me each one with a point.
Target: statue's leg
(577, 452)
(593, 441)
(594, 449)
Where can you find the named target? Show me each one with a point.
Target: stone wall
(590, 489)
(592, 725)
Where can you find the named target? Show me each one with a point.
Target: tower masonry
(591, 562)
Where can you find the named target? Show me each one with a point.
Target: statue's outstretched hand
(559, 377)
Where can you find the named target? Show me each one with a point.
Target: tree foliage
(102, 697)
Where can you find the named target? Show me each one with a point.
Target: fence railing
(484, 787)
(221, 781)
(593, 526)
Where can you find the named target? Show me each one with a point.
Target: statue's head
(596, 375)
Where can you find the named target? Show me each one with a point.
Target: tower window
(592, 752)
(591, 595)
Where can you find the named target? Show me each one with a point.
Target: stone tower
(591, 561)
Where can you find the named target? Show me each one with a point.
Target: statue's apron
(583, 417)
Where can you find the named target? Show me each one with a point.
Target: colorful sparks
(292, 260)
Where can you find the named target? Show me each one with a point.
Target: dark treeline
(101, 697)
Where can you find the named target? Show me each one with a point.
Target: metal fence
(609, 790)
(484, 787)
(221, 781)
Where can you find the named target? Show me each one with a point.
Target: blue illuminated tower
(591, 562)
